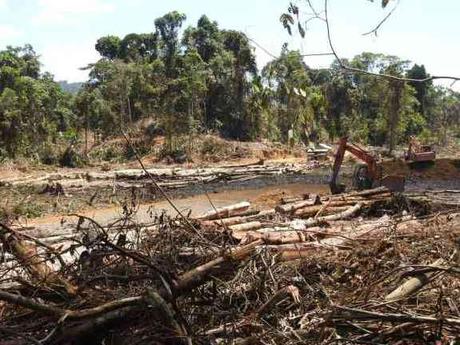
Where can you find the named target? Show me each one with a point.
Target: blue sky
(64, 32)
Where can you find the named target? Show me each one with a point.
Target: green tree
(289, 78)
(421, 89)
(168, 28)
(109, 46)
(206, 38)
(33, 108)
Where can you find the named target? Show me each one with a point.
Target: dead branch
(361, 71)
(288, 291)
(361, 314)
(375, 29)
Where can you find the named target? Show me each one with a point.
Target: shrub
(153, 130)
(71, 158)
(176, 155)
(28, 210)
(49, 155)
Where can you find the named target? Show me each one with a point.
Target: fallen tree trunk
(338, 216)
(242, 217)
(271, 237)
(288, 236)
(26, 253)
(224, 221)
(225, 212)
(293, 199)
(311, 211)
(412, 285)
(246, 226)
(288, 208)
(366, 193)
(289, 252)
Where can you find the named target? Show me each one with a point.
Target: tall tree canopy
(203, 78)
(34, 111)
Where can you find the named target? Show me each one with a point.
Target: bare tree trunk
(128, 103)
(394, 106)
(86, 132)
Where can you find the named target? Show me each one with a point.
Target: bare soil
(28, 201)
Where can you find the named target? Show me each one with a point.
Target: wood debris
(362, 267)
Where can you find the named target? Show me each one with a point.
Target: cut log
(27, 254)
(289, 252)
(288, 208)
(271, 237)
(246, 226)
(337, 216)
(225, 212)
(311, 211)
(197, 276)
(412, 285)
(248, 213)
(293, 199)
(367, 192)
(224, 221)
(264, 213)
(283, 235)
(258, 233)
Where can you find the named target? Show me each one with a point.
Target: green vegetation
(207, 81)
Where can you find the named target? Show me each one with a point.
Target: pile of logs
(222, 277)
(289, 220)
(168, 178)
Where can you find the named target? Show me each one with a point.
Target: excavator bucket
(336, 188)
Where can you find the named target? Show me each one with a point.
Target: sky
(63, 32)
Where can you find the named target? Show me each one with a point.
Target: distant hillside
(70, 87)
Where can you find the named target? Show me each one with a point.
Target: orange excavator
(417, 152)
(365, 176)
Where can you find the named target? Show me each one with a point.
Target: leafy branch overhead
(288, 20)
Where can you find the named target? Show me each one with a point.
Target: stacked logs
(299, 225)
(277, 224)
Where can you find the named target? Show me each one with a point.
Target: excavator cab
(361, 179)
(365, 176)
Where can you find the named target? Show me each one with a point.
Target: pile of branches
(351, 275)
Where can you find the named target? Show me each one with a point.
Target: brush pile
(364, 267)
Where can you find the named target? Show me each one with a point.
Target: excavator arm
(335, 189)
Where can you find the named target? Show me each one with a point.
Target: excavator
(365, 176)
(417, 153)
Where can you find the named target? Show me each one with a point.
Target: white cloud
(60, 11)
(8, 33)
(65, 60)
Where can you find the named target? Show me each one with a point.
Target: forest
(186, 81)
